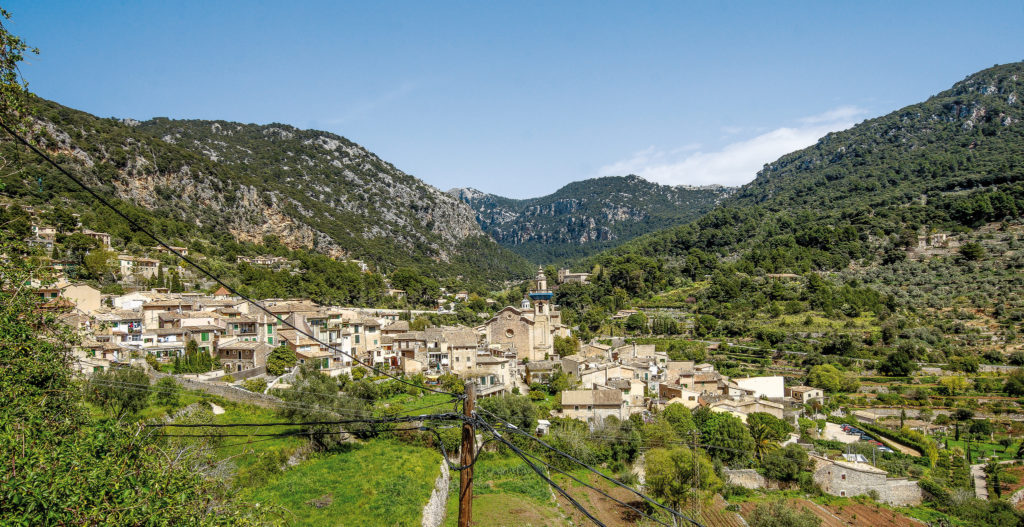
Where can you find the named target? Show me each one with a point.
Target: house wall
(86, 298)
(839, 480)
(509, 328)
(770, 387)
(600, 413)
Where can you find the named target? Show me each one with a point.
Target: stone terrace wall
(900, 492)
(747, 478)
(230, 393)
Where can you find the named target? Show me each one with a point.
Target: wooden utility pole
(696, 475)
(466, 458)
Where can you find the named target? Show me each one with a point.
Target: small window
(842, 493)
(576, 407)
(843, 477)
(509, 333)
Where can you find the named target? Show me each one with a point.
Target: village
(510, 352)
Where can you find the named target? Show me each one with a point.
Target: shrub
(166, 392)
(256, 385)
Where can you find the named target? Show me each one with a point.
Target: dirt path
(978, 475)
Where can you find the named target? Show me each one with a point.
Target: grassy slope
(506, 493)
(358, 487)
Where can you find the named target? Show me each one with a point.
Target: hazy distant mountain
(588, 216)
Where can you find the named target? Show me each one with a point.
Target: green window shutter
(205, 337)
(270, 340)
(270, 329)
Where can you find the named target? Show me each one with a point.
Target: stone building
(241, 355)
(594, 405)
(530, 331)
(843, 478)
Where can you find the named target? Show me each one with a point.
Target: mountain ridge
(584, 217)
(302, 188)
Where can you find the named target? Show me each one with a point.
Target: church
(529, 331)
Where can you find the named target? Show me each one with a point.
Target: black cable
(598, 472)
(135, 225)
(603, 493)
(369, 420)
(540, 473)
(289, 434)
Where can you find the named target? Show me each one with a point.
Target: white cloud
(736, 163)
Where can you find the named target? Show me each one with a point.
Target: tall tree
(675, 474)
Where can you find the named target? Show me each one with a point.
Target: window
(843, 477)
(270, 329)
(205, 337)
(270, 340)
(576, 407)
(357, 339)
(509, 333)
(842, 493)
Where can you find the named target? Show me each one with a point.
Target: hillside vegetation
(585, 217)
(306, 190)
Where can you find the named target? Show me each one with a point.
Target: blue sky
(520, 98)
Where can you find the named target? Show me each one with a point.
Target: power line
(540, 473)
(294, 433)
(135, 225)
(603, 493)
(598, 472)
(396, 419)
(280, 403)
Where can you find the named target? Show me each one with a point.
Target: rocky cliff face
(587, 216)
(309, 189)
(333, 184)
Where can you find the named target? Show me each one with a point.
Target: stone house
(804, 394)
(632, 391)
(771, 387)
(594, 406)
(86, 298)
(136, 266)
(493, 375)
(843, 478)
(674, 393)
(237, 355)
(566, 276)
(540, 371)
(748, 405)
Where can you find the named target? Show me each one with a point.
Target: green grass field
(381, 483)
(506, 493)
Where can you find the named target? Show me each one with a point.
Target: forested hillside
(585, 217)
(200, 183)
(864, 195)
(903, 231)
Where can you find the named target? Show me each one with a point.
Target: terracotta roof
(223, 291)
